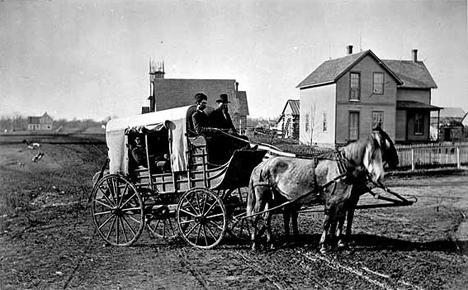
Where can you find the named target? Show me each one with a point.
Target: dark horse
(335, 180)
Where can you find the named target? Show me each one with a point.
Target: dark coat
(201, 123)
(218, 120)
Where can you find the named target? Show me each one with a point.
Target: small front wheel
(118, 211)
(202, 218)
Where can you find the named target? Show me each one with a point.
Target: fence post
(458, 158)
(413, 167)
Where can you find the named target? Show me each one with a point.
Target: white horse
(324, 180)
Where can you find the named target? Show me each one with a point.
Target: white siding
(314, 103)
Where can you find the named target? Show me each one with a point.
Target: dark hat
(200, 97)
(223, 98)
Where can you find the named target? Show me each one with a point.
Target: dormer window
(378, 88)
(355, 87)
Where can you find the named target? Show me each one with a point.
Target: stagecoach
(189, 197)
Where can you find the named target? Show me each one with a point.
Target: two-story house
(344, 98)
(39, 123)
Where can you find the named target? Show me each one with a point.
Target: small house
(40, 123)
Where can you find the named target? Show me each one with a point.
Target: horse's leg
(259, 206)
(323, 238)
(286, 219)
(269, 243)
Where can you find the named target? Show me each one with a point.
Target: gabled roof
(173, 93)
(331, 70)
(295, 107)
(449, 115)
(413, 74)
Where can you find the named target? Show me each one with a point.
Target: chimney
(237, 87)
(414, 52)
(349, 49)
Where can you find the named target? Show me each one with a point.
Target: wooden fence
(432, 155)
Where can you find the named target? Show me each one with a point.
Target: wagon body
(191, 198)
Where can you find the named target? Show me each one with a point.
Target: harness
(343, 165)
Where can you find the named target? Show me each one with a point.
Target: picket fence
(432, 155)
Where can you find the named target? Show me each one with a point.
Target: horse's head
(380, 151)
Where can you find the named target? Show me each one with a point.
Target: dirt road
(50, 243)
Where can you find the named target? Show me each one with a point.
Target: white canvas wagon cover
(172, 119)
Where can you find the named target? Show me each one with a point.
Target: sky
(89, 59)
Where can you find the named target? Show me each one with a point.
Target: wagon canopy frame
(174, 120)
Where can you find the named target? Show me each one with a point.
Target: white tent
(172, 119)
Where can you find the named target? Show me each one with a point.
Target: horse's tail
(251, 197)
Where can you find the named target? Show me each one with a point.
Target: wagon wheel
(162, 222)
(236, 203)
(202, 218)
(117, 210)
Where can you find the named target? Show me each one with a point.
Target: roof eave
(316, 85)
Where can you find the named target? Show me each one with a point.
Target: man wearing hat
(220, 117)
(201, 123)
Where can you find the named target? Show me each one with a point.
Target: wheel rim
(117, 210)
(163, 224)
(202, 218)
(238, 225)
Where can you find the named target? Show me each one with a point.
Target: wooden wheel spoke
(133, 219)
(214, 216)
(122, 196)
(128, 200)
(211, 233)
(117, 225)
(105, 222)
(191, 230)
(211, 207)
(194, 209)
(110, 186)
(204, 202)
(102, 213)
(103, 204)
(123, 229)
(187, 213)
(105, 196)
(198, 234)
(130, 209)
(216, 225)
(111, 228)
(204, 235)
(187, 222)
(129, 226)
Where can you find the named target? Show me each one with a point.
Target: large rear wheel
(202, 218)
(117, 210)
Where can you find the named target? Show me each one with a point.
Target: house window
(355, 86)
(418, 124)
(325, 122)
(378, 83)
(307, 127)
(353, 126)
(377, 119)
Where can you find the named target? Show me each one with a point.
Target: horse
(327, 180)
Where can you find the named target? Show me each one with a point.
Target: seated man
(220, 145)
(220, 118)
(158, 163)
